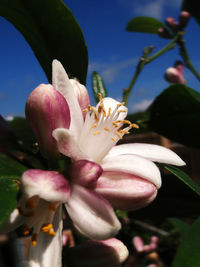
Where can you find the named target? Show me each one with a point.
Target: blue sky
(113, 52)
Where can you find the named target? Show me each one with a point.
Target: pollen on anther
(109, 112)
(122, 110)
(118, 134)
(46, 228)
(93, 126)
(106, 129)
(96, 132)
(34, 239)
(134, 126)
(120, 104)
(113, 139)
(51, 232)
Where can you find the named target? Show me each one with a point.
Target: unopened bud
(46, 110)
(171, 23)
(172, 75)
(184, 18)
(138, 244)
(164, 33)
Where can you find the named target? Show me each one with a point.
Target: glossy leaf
(175, 113)
(52, 32)
(144, 25)
(192, 6)
(98, 86)
(10, 171)
(188, 253)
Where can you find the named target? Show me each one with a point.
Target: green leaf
(183, 177)
(180, 226)
(144, 25)
(52, 32)
(188, 253)
(98, 86)
(10, 170)
(192, 6)
(175, 113)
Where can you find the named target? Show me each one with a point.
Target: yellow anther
(124, 132)
(52, 206)
(122, 110)
(126, 122)
(120, 104)
(46, 227)
(26, 229)
(115, 124)
(113, 139)
(118, 134)
(34, 239)
(100, 97)
(134, 126)
(106, 129)
(96, 132)
(95, 113)
(85, 110)
(109, 112)
(93, 126)
(51, 232)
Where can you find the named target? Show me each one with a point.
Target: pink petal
(125, 191)
(152, 152)
(91, 214)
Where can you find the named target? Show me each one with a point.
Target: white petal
(48, 251)
(91, 214)
(135, 165)
(13, 222)
(67, 144)
(152, 152)
(62, 83)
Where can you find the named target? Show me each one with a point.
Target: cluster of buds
(139, 246)
(175, 74)
(174, 26)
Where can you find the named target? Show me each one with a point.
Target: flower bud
(81, 94)
(138, 244)
(46, 110)
(184, 18)
(164, 33)
(111, 252)
(171, 23)
(173, 75)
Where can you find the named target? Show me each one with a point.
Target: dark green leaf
(98, 86)
(10, 170)
(175, 113)
(192, 6)
(180, 226)
(183, 177)
(188, 253)
(144, 25)
(52, 32)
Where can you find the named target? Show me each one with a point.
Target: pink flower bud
(184, 18)
(138, 244)
(111, 252)
(46, 110)
(85, 172)
(164, 33)
(179, 66)
(173, 75)
(171, 23)
(81, 94)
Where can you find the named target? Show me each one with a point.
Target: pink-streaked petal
(13, 222)
(67, 144)
(84, 172)
(81, 94)
(91, 214)
(46, 110)
(48, 251)
(48, 185)
(135, 165)
(111, 252)
(62, 83)
(152, 152)
(125, 191)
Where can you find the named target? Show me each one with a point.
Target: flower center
(104, 126)
(39, 215)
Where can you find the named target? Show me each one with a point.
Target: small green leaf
(98, 86)
(188, 253)
(183, 177)
(144, 25)
(175, 113)
(180, 226)
(192, 6)
(10, 170)
(52, 32)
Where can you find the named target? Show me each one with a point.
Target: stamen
(93, 126)
(100, 97)
(26, 229)
(106, 129)
(34, 239)
(95, 113)
(52, 233)
(120, 104)
(109, 112)
(46, 227)
(96, 132)
(134, 126)
(122, 110)
(115, 124)
(113, 139)
(85, 110)
(124, 132)
(118, 134)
